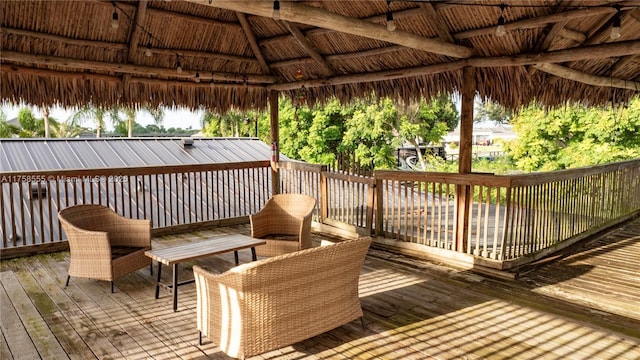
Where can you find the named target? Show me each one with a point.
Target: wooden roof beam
(603, 81)
(136, 32)
(121, 46)
(66, 40)
(309, 48)
(436, 21)
(111, 78)
(134, 70)
(300, 13)
(590, 52)
(537, 22)
(251, 38)
(375, 19)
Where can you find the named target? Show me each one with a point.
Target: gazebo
(245, 54)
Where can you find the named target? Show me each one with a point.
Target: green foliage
(575, 136)
(6, 130)
(234, 123)
(490, 111)
(369, 134)
(425, 122)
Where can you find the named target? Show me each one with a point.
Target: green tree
(488, 110)
(128, 125)
(93, 114)
(32, 126)
(369, 133)
(67, 129)
(575, 136)
(425, 122)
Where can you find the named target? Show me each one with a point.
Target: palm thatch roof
(233, 53)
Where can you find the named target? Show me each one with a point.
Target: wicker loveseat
(268, 304)
(285, 223)
(104, 245)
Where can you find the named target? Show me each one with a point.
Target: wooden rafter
(436, 21)
(309, 48)
(136, 32)
(623, 62)
(251, 38)
(65, 40)
(299, 13)
(589, 52)
(571, 74)
(132, 79)
(536, 22)
(576, 36)
(122, 46)
(397, 15)
(135, 70)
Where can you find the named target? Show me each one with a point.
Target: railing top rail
(299, 165)
(442, 177)
(560, 175)
(138, 170)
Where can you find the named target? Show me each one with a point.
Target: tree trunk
(45, 116)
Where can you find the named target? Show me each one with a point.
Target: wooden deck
(582, 306)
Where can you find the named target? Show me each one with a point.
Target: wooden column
(464, 158)
(275, 142)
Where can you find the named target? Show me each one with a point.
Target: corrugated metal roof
(33, 221)
(82, 153)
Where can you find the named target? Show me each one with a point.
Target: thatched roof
(66, 52)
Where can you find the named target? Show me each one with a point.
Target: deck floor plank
(46, 295)
(5, 354)
(43, 340)
(83, 315)
(413, 309)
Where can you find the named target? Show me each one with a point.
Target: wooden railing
(496, 221)
(173, 197)
(510, 220)
(345, 200)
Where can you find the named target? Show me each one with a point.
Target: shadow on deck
(580, 306)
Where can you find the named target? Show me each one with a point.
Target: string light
(500, 30)
(391, 25)
(615, 25)
(178, 65)
(276, 10)
(148, 53)
(197, 80)
(114, 17)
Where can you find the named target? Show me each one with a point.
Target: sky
(182, 118)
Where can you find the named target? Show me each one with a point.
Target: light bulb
(197, 77)
(276, 10)
(148, 53)
(178, 67)
(114, 20)
(615, 33)
(391, 25)
(615, 27)
(500, 30)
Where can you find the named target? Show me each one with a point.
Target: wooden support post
(464, 195)
(324, 194)
(275, 142)
(379, 206)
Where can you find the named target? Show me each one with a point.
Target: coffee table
(172, 256)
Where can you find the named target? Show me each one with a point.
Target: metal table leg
(175, 287)
(235, 255)
(254, 257)
(158, 280)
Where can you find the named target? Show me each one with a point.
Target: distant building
(483, 136)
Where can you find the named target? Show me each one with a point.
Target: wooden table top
(214, 246)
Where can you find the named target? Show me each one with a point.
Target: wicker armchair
(285, 223)
(104, 245)
(268, 304)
